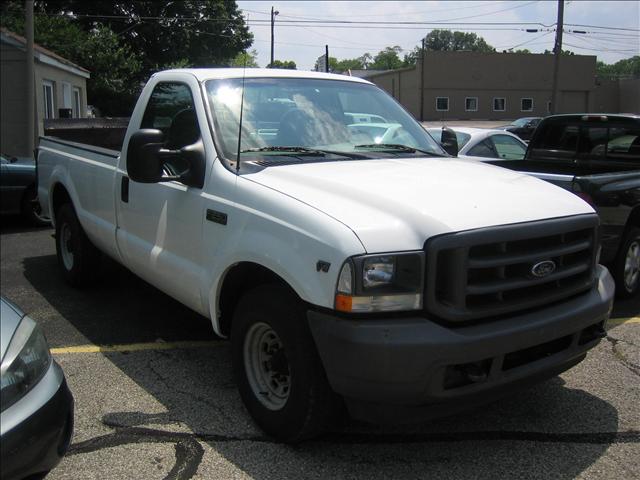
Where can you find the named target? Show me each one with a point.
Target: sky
(304, 43)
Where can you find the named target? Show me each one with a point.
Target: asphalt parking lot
(155, 397)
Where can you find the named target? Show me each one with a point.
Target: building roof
(42, 54)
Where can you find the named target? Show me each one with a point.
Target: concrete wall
(512, 76)
(630, 95)
(13, 114)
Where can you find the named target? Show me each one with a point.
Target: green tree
(627, 66)
(387, 59)
(202, 33)
(286, 64)
(448, 41)
(247, 59)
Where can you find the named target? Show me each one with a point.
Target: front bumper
(410, 363)
(36, 431)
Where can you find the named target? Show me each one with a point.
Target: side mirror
(144, 164)
(449, 141)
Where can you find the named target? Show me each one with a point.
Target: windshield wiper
(303, 150)
(397, 146)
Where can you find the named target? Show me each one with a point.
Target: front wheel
(78, 258)
(279, 374)
(627, 265)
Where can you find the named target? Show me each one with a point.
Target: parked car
(596, 156)
(522, 127)
(387, 277)
(36, 404)
(18, 194)
(481, 142)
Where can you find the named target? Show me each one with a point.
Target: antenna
(244, 72)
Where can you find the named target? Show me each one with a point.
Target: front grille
(488, 272)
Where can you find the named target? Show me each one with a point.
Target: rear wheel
(78, 258)
(627, 265)
(279, 374)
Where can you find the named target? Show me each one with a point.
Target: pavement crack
(620, 357)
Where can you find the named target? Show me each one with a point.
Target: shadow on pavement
(546, 431)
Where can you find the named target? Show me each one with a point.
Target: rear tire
(626, 270)
(78, 258)
(278, 371)
(31, 210)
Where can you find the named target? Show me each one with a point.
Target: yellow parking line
(135, 347)
(622, 321)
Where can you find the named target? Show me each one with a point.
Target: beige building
(60, 88)
(502, 86)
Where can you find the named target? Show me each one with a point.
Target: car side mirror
(449, 141)
(144, 164)
(146, 157)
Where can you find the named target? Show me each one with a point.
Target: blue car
(18, 194)
(36, 418)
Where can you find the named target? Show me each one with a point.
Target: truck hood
(397, 204)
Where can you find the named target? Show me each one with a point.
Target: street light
(273, 20)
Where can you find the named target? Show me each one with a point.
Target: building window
(77, 104)
(442, 104)
(526, 104)
(47, 97)
(499, 104)
(471, 104)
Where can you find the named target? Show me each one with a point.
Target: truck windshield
(313, 120)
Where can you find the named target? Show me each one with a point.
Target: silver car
(485, 144)
(36, 419)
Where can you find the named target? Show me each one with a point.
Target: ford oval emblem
(543, 269)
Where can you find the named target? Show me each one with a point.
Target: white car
(482, 143)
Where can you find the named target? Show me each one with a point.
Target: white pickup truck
(351, 261)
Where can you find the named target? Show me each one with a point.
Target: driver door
(160, 224)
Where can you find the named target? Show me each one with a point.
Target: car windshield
(312, 120)
(521, 122)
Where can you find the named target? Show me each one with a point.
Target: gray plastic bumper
(415, 361)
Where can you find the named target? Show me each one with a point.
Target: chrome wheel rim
(267, 366)
(632, 266)
(66, 249)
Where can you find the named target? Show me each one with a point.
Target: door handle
(124, 189)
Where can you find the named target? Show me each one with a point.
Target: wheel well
(634, 218)
(241, 278)
(59, 197)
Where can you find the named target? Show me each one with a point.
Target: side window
(561, 138)
(171, 110)
(593, 141)
(508, 147)
(624, 143)
(483, 149)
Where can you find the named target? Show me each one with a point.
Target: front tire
(627, 265)
(78, 258)
(278, 371)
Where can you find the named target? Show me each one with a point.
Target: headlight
(381, 283)
(25, 363)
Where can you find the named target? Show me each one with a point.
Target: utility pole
(326, 57)
(557, 51)
(30, 103)
(422, 82)
(273, 21)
